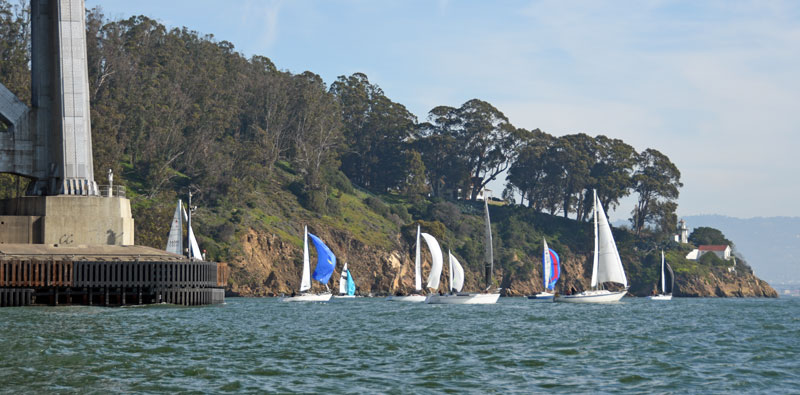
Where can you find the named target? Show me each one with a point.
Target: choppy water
(369, 345)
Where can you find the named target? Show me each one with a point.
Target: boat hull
(463, 298)
(660, 297)
(600, 296)
(406, 298)
(542, 296)
(308, 298)
(344, 297)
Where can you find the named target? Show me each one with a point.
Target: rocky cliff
(272, 266)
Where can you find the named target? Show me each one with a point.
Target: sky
(714, 85)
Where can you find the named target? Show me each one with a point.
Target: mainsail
(607, 263)
(305, 282)
(667, 277)
(343, 280)
(436, 265)
(488, 251)
(175, 238)
(456, 273)
(670, 281)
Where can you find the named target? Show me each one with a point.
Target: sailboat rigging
(326, 262)
(606, 265)
(417, 297)
(175, 240)
(667, 280)
(458, 297)
(347, 287)
(551, 272)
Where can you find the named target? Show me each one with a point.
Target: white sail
(417, 270)
(175, 239)
(194, 249)
(450, 267)
(456, 273)
(305, 282)
(547, 264)
(609, 264)
(436, 265)
(663, 280)
(343, 280)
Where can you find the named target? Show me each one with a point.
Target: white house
(722, 251)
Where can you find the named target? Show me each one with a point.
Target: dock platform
(38, 274)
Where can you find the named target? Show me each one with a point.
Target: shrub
(377, 205)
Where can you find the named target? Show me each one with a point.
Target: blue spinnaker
(351, 285)
(555, 272)
(326, 261)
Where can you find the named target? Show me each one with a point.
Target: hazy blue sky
(715, 85)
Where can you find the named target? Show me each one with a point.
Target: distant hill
(771, 245)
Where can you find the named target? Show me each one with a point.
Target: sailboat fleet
(606, 267)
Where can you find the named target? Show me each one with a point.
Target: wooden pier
(106, 276)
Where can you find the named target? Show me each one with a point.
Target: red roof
(712, 248)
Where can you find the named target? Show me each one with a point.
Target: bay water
(368, 345)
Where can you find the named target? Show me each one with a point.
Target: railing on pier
(111, 191)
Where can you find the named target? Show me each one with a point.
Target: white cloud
(261, 17)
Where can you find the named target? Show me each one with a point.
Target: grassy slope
(376, 221)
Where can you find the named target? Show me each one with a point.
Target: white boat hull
(463, 298)
(308, 298)
(599, 296)
(406, 298)
(344, 297)
(660, 297)
(542, 296)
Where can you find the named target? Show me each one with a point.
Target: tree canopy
(173, 109)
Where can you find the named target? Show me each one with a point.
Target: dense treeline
(173, 110)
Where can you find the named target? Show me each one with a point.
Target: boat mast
(417, 270)
(596, 242)
(663, 280)
(189, 227)
(489, 252)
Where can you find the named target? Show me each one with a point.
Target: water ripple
(368, 346)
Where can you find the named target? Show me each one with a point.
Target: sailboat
(175, 239)
(667, 281)
(551, 271)
(433, 246)
(457, 297)
(606, 266)
(347, 287)
(326, 262)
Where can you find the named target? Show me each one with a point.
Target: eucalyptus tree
(376, 132)
(657, 181)
(443, 165)
(317, 128)
(487, 140)
(527, 172)
(612, 171)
